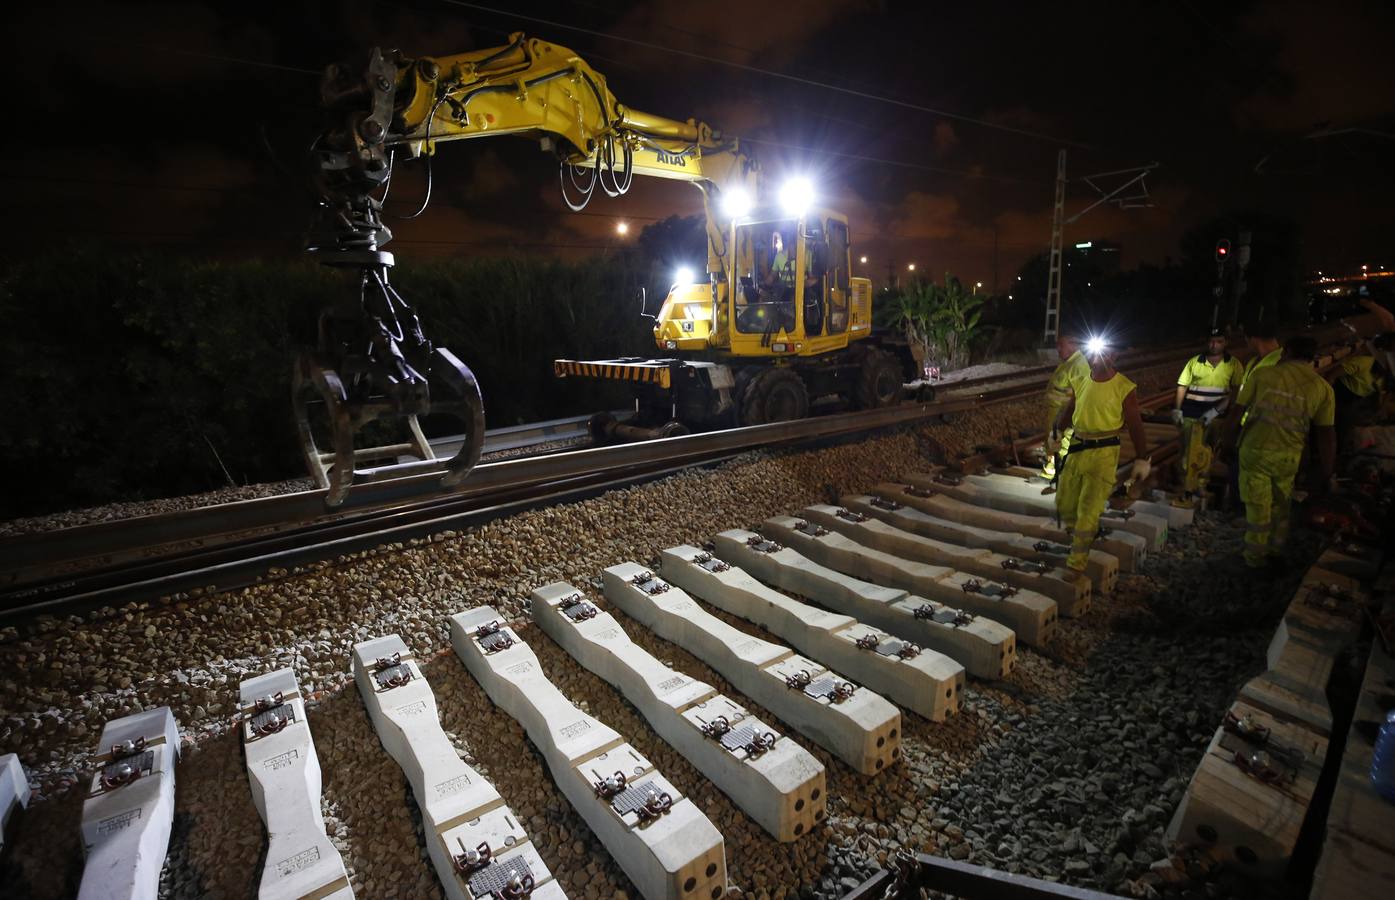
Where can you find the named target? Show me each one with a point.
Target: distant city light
(1019, 277)
(1084, 245)
(622, 228)
(863, 259)
(910, 267)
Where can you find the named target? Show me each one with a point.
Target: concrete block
(1030, 615)
(1359, 561)
(853, 723)
(284, 772)
(659, 837)
(473, 839)
(1357, 811)
(985, 648)
(1251, 815)
(1048, 542)
(1070, 590)
(1156, 504)
(773, 779)
(926, 682)
(14, 793)
(1136, 519)
(129, 808)
(1350, 867)
(1130, 549)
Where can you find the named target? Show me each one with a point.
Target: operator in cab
(1104, 404)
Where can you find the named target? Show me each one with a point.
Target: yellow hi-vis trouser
(1266, 486)
(1048, 467)
(1196, 455)
(1087, 480)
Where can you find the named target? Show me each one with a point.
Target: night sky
(186, 123)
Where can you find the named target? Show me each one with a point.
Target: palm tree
(941, 321)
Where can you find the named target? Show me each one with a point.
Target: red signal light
(1222, 249)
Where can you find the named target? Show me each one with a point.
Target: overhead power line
(769, 73)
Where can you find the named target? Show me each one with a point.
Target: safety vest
(1061, 386)
(1283, 401)
(1207, 384)
(784, 268)
(1357, 376)
(1258, 362)
(1099, 406)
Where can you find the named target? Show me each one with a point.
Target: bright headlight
(1095, 346)
(796, 195)
(736, 203)
(683, 275)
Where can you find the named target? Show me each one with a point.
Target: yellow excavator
(778, 318)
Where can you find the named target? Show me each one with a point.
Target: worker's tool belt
(1077, 445)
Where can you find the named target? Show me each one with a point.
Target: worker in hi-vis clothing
(1265, 351)
(1204, 390)
(1281, 403)
(1104, 404)
(1060, 388)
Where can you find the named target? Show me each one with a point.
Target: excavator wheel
(879, 383)
(774, 395)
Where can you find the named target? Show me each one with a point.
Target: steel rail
(209, 547)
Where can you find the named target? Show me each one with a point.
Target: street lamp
(863, 260)
(910, 267)
(622, 228)
(977, 285)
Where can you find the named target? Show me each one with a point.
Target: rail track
(209, 549)
(905, 609)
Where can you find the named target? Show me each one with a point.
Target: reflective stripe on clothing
(1087, 480)
(1208, 383)
(1099, 405)
(1282, 402)
(1266, 487)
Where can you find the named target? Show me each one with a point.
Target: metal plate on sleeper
(634, 796)
(496, 641)
(945, 615)
(579, 612)
(494, 877)
(141, 762)
(737, 738)
(392, 674)
(262, 719)
(890, 647)
(821, 688)
(712, 564)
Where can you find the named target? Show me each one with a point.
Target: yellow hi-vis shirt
(1061, 386)
(1258, 362)
(1357, 376)
(1207, 384)
(1099, 406)
(1282, 402)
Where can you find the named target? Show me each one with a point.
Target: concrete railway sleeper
(1014, 493)
(659, 837)
(476, 843)
(919, 679)
(129, 809)
(284, 772)
(1030, 615)
(1070, 591)
(1132, 549)
(985, 648)
(1101, 569)
(14, 793)
(1121, 553)
(771, 778)
(853, 723)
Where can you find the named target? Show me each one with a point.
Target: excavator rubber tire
(774, 395)
(879, 383)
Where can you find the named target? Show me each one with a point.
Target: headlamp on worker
(1096, 346)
